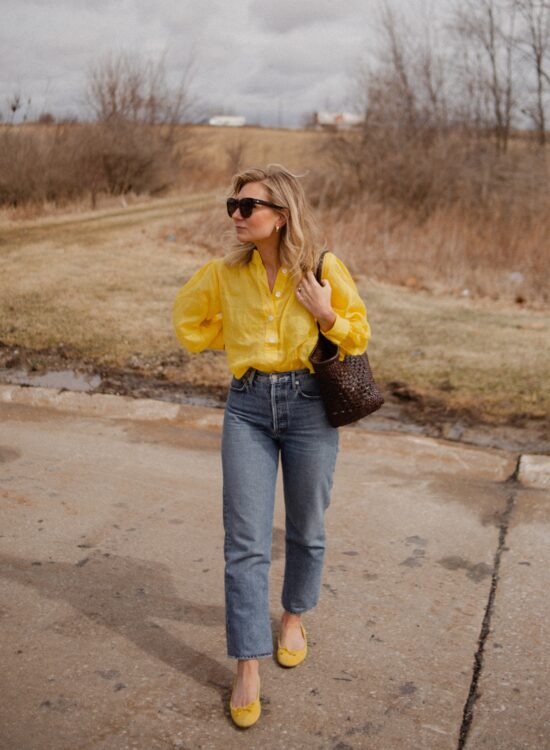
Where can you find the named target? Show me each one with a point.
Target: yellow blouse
(232, 308)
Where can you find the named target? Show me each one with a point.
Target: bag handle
(318, 275)
(319, 271)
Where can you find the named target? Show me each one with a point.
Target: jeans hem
(294, 611)
(256, 656)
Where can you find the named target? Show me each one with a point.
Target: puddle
(69, 379)
(424, 418)
(128, 385)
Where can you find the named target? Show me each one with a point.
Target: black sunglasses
(246, 206)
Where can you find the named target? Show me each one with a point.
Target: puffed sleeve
(196, 314)
(351, 330)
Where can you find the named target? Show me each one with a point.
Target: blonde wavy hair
(300, 243)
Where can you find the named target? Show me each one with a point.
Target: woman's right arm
(196, 314)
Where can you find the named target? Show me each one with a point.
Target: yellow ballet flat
(245, 716)
(288, 657)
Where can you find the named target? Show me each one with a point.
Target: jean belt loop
(293, 377)
(250, 375)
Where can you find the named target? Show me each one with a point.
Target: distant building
(233, 121)
(337, 120)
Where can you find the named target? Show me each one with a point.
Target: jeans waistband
(252, 374)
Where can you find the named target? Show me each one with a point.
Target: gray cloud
(262, 59)
(287, 15)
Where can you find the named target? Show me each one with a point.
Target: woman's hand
(316, 297)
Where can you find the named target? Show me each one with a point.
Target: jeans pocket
(308, 387)
(239, 384)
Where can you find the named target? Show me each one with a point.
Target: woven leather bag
(347, 387)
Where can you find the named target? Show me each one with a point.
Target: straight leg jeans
(268, 414)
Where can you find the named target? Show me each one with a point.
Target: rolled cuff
(339, 331)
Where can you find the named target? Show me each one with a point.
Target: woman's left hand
(316, 297)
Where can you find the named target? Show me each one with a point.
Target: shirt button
(277, 294)
(270, 317)
(271, 339)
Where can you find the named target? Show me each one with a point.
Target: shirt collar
(256, 257)
(257, 261)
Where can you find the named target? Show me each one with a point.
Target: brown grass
(208, 153)
(479, 226)
(496, 258)
(447, 317)
(63, 163)
(104, 287)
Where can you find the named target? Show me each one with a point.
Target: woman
(261, 303)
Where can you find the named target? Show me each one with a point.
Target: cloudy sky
(270, 61)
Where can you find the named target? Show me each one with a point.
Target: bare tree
(487, 27)
(398, 153)
(397, 57)
(45, 118)
(137, 138)
(309, 119)
(431, 115)
(407, 86)
(124, 87)
(534, 43)
(15, 104)
(432, 73)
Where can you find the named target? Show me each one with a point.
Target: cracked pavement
(433, 625)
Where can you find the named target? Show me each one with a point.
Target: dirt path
(71, 227)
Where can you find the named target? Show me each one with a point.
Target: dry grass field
(481, 229)
(102, 285)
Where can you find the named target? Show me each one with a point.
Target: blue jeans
(267, 414)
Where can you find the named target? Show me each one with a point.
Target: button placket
(272, 336)
(271, 328)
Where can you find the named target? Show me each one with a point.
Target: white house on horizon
(233, 121)
(339, 120)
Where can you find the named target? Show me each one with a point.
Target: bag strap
(319, 271)
(318, 275)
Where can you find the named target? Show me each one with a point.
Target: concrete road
(432, 631)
